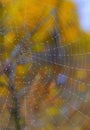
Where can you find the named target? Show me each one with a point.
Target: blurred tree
(69, 22)
(20, 18)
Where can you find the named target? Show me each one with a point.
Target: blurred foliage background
(44, 66)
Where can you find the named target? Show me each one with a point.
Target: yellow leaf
(22, 69)
(3, 91)
(53, 111)
(82, 87)
(48, 127)
(3, 80)
(9, 40)
(68, 19)
(80, 74)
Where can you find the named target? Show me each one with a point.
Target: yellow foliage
(53, 111)
(3, 91)
(43, 32)
(82, 87)
(38, 47)
(51, 3)
(22, 69)
(69, 22)
(9, 40)
(28, 12)
(53, 92)
(49, 127)
(5, 54)
(5, 1)
(3, 80)
(81, 74)
(3, 85)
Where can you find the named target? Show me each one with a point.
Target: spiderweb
(55, 92)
